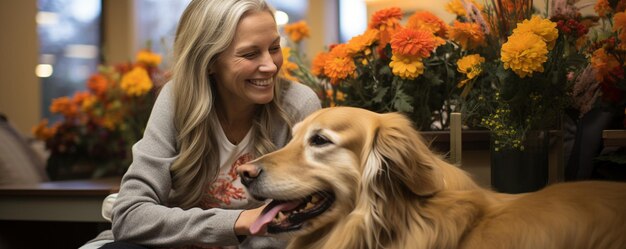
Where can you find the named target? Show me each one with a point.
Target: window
(69, 39)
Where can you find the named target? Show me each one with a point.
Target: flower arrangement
(603, 83)
(390, 67)
(518, 65)
(97, 127)
(505, 67)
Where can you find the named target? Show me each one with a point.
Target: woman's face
(244, 71)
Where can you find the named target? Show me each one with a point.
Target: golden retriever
(351, 178)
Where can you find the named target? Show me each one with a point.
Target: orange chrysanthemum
(602, 8)
(42, 132)
(317, 65)
(297, 31)
(425, 20)
(137, 82)
(411, 42)
(386, 18)
(148, 58)
(64, 106)
(79, 97)
(387, 21)
(468, 35)
(512, 5)
(619, 25)
(339, 65)
(98, 84)
(362, 43)
(603, 63)
(288, 66)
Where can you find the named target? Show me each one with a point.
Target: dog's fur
(393, 192)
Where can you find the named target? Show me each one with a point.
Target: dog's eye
(318, 140)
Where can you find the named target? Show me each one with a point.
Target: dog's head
(340, 161)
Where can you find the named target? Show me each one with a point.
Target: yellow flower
(456, 7)
(137, 82)
(468, 35)
(362, 43)
(339, 65)
(541, 27)
(297, 31)
(470, 65)
(406, 67)
(619, 25)
(148, 58)
(340, 97)
(288, 66)
(89, 102)
(524, 53)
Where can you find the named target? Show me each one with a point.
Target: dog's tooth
(280, 216)
(314, 199)
(309, 206)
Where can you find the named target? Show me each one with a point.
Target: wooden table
(79, 200)
(614, 138)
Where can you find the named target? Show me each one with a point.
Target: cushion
(19, 163)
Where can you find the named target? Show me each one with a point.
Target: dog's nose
(248, 173)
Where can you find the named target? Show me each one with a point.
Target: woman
(224, 107)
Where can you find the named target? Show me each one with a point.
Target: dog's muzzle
(248, 173)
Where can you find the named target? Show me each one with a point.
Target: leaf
(402, 102)
(618, 158)
(502, 74)
(380, 94)
(433, 79)
(385, 70)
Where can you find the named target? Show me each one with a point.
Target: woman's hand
(245, 220)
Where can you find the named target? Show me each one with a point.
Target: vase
(587, 143)
(519, 171)
(63, 167)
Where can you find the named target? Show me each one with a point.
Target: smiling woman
(224, 106)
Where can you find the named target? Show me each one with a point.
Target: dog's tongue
(268, 215)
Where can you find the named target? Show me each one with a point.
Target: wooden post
(455, 138)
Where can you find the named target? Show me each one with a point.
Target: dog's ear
(399, 155)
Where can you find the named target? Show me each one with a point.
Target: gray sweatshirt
(140, 214)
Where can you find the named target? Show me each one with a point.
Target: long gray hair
(206, 28)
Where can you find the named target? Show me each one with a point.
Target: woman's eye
(249, 55)
(319, 140)
(275, 49)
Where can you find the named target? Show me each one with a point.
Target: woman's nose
(267, 64)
